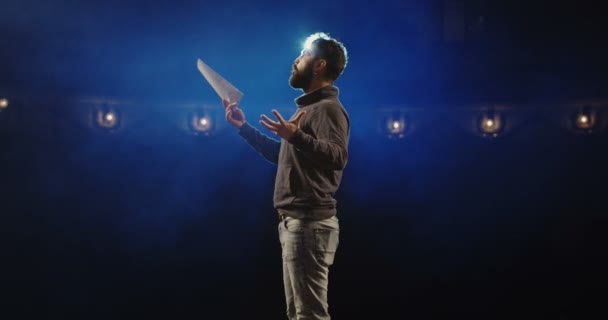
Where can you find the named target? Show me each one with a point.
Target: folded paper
(222, 87)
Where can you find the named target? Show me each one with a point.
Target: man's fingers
(232, 108)
(267, 126)
(298, 117)
(269, 121)
(278, 115)
(228, 105)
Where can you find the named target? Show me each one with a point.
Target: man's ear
(320, 66)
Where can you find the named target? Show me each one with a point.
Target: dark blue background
(152, 220)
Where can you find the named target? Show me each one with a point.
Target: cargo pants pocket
(326, 245)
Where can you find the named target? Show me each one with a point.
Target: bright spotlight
(3, 103)
(585, 120)
(107, 119)
(201, 124)
(395, 126)
(490, 124)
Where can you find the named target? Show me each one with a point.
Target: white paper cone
(222, 87)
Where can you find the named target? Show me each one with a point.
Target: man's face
(302, 70)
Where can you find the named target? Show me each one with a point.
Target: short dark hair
(331, 50)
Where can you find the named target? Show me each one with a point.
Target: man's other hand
(234, 115)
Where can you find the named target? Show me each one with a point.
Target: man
(311, 156)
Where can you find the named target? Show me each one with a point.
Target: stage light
(3, 103)
(490, 124)
(395, 126)
(585, 120)
(107, 119)
(201, 124)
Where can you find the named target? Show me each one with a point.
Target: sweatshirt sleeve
(329, 145)
(263, 144)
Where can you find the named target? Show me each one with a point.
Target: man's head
(322, 61)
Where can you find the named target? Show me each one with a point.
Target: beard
(301, 79)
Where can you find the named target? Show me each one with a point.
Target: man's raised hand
(282, 128)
